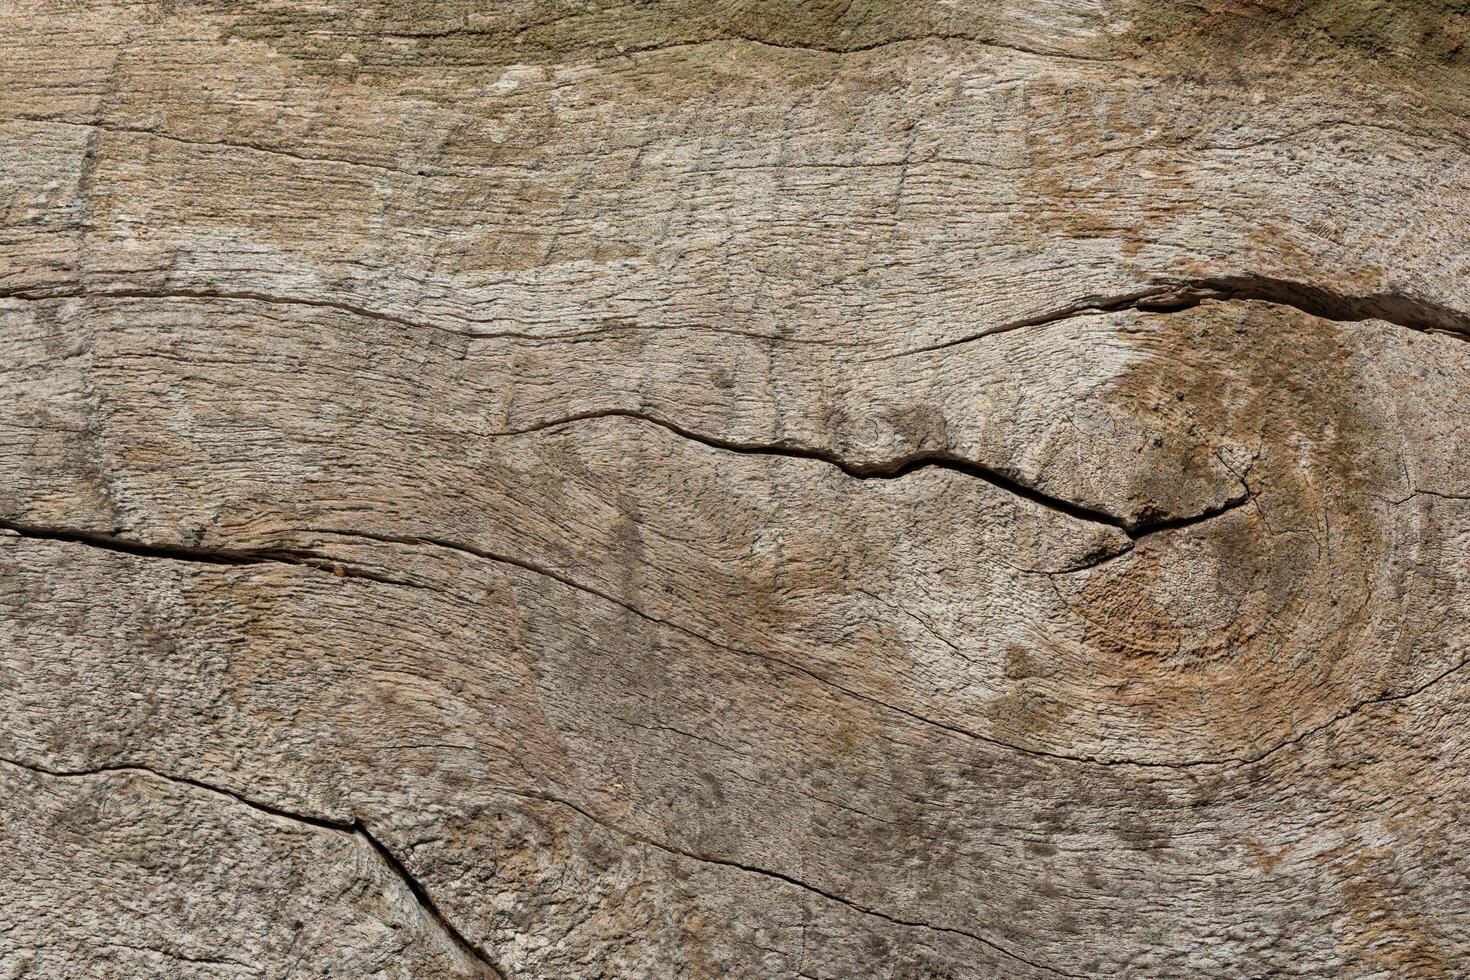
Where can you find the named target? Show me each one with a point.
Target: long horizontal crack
(901, 467)
(40, 295)
(231, 557)
(354, 827)
(78, 292)
(227, 556)
(1169, 296)
(870, 46)
(736, 37)
(208, 556)
(1425, 316)
(892, 469)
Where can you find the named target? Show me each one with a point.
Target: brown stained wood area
(949, 489)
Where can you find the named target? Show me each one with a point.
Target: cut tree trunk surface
(945, 489)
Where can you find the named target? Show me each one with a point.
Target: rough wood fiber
(759, 489)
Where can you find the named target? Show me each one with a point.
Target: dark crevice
(1405, 311)
(610, 327)
(1135, 530)
(1144, 529)
(1155, 299)
(427, 903)
(207, 556)
(431, 909)
(889, 470)
(731, 37)
(1090, 561)
(1414, 314)
(1170, 296)
(354, 827)
(109, 542)
(1422, 315)
(325, 823)
(894, 469)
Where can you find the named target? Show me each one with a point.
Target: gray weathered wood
(734, 489)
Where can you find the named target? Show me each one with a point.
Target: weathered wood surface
(941, 489)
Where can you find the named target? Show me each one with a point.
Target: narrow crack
(111, 542)
(230, 557)
(1419, 315)
(1420, 492)
(736, 37)
(841, 51)
(1144, 530)
(174, 954)
(427, 903)
(81, 292)
(1351, 712)
(1154, 299)
(822, 679)
(1425, 316)
(887, 470)
(208, 556)
(1134, 528)
(358, 828)
(354, 827)
(1088, 562)
(788, 879)
(610, 327)
(250, 557)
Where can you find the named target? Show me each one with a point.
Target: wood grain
(931, 490)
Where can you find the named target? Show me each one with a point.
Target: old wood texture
(942, 489)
